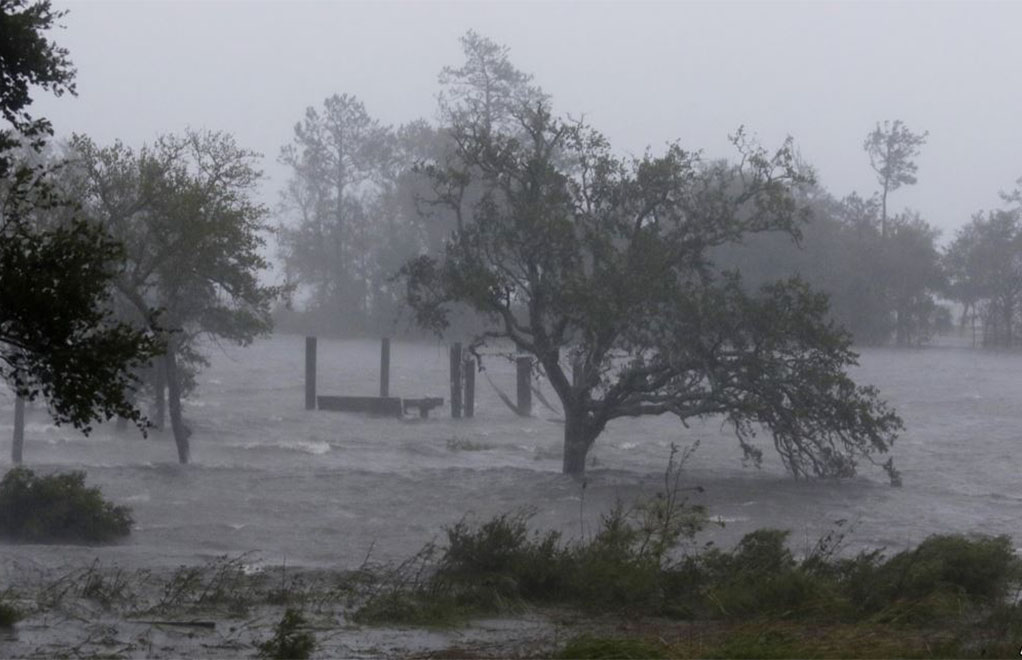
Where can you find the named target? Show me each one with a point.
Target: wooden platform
(380, 406)
(383, 406)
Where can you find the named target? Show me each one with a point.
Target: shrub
(623, 648)
(9, 614)
(940, 578)
(289, 640)
(58, 508)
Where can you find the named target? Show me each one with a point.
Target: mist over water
(325, 489)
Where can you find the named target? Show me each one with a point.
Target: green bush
(639, 562)
(618, 648)
(9, 614)
(290, 641)
(57, 508)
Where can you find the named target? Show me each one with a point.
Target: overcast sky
(643, 73)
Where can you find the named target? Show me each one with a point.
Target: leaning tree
(599, 268)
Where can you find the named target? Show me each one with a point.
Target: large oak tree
(598, 266)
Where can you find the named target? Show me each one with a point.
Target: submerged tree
(193, 237)
(599, 268)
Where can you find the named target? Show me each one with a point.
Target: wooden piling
(470, 387)
(524, 365)
(18, 442)
(385, 367)
(456, 381)
(310, 373)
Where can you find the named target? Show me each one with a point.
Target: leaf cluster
(28, 59)
(59, 336)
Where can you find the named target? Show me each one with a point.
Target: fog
(614, 320)
(643, 73)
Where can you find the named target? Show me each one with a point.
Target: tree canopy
(600, 268)
(58, 335)
(192, 237)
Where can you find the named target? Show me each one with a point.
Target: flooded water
(325, 489)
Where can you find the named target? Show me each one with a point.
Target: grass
(58, 508)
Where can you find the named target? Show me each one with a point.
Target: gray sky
(643, 73)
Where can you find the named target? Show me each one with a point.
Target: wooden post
(310, 373)
(456, 381)
(18, 443)
(385, 367)
(470, 387)
(524, 365)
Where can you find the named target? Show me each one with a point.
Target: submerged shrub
(58, 508)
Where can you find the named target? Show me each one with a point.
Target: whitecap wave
(315, 447)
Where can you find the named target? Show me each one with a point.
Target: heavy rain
(512, 329)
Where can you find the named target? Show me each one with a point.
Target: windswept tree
(599, 267)
(183, 208)
(984, 266)
(913, 274)
(340, 159)
(487, 89)
(58, 336)
(891, 147)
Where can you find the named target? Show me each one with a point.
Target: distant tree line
(363, 198)
(642, 286)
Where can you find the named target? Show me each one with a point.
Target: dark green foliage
(981, 264)
(58, 337)
(943, 576)
(290, 640)
(621, 648)
(194, 236)
(28, 59)
(500, 565)
(9, 613)
(58, 509)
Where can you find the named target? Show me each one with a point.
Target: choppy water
(323, 489)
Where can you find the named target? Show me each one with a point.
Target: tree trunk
(901, 334)
(18, 442)
(181, 432)
(577, 441)
(159, 394)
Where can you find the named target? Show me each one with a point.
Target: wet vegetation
(58, 508)
(9, 613)
(952, 595)
(290, 640)
(639, 587)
